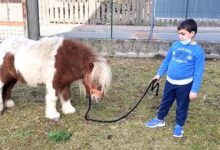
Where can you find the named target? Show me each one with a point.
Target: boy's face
(184, 34)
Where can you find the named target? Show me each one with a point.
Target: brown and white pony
(55, 62)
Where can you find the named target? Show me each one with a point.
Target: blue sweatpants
(181, 94)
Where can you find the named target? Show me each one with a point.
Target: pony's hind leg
(8, 102)
(64, 96)
(51, 100)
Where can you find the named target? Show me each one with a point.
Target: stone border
(143, 48)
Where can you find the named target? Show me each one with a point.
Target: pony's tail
(8, 45)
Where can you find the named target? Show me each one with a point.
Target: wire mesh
(126, 19)
(11, 19)
(116, 19)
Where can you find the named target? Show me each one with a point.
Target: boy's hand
(156, 77)
(192, 95)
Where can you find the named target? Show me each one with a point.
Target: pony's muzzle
(96, 95)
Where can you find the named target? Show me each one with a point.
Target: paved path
(209, 34)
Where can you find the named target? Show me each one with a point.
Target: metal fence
(123, 12)
(95, 18)
(200, 9)
(117, 19)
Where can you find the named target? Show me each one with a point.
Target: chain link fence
(121, 19)
(169, 13)
(113, 19)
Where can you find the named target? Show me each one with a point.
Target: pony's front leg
(64, 96)
(1, 98)
(51, 100)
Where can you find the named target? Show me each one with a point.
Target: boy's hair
(189, 25)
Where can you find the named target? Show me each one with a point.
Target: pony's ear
(91, 66)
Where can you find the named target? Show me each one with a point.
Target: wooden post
(33, 19)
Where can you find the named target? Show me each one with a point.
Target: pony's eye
(99, 88)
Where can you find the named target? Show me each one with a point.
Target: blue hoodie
(184, 62)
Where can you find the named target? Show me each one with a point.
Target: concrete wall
(143, 49)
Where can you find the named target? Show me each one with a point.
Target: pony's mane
(100, 75)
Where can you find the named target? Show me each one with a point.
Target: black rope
(154, 84)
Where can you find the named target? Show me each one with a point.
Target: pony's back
(35, 60)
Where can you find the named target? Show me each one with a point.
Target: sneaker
(155, 123)
(178, 131)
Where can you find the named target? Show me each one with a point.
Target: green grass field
(24, 126)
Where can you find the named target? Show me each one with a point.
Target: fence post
(33, 19)
(152, 23)
(92, 12)
(111, 18)
(187, 7)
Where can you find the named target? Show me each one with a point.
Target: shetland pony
(55, 62)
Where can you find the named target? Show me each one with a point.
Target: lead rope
(154, 84)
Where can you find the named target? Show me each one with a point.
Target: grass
(24, 126)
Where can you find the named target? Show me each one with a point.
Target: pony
(55, 62)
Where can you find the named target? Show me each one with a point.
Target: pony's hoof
(9, 103)
(53, 116)
(68, 110)
(1, 108)
(2, 112)
(56, 119)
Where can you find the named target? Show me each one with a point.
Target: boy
(184, 65)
